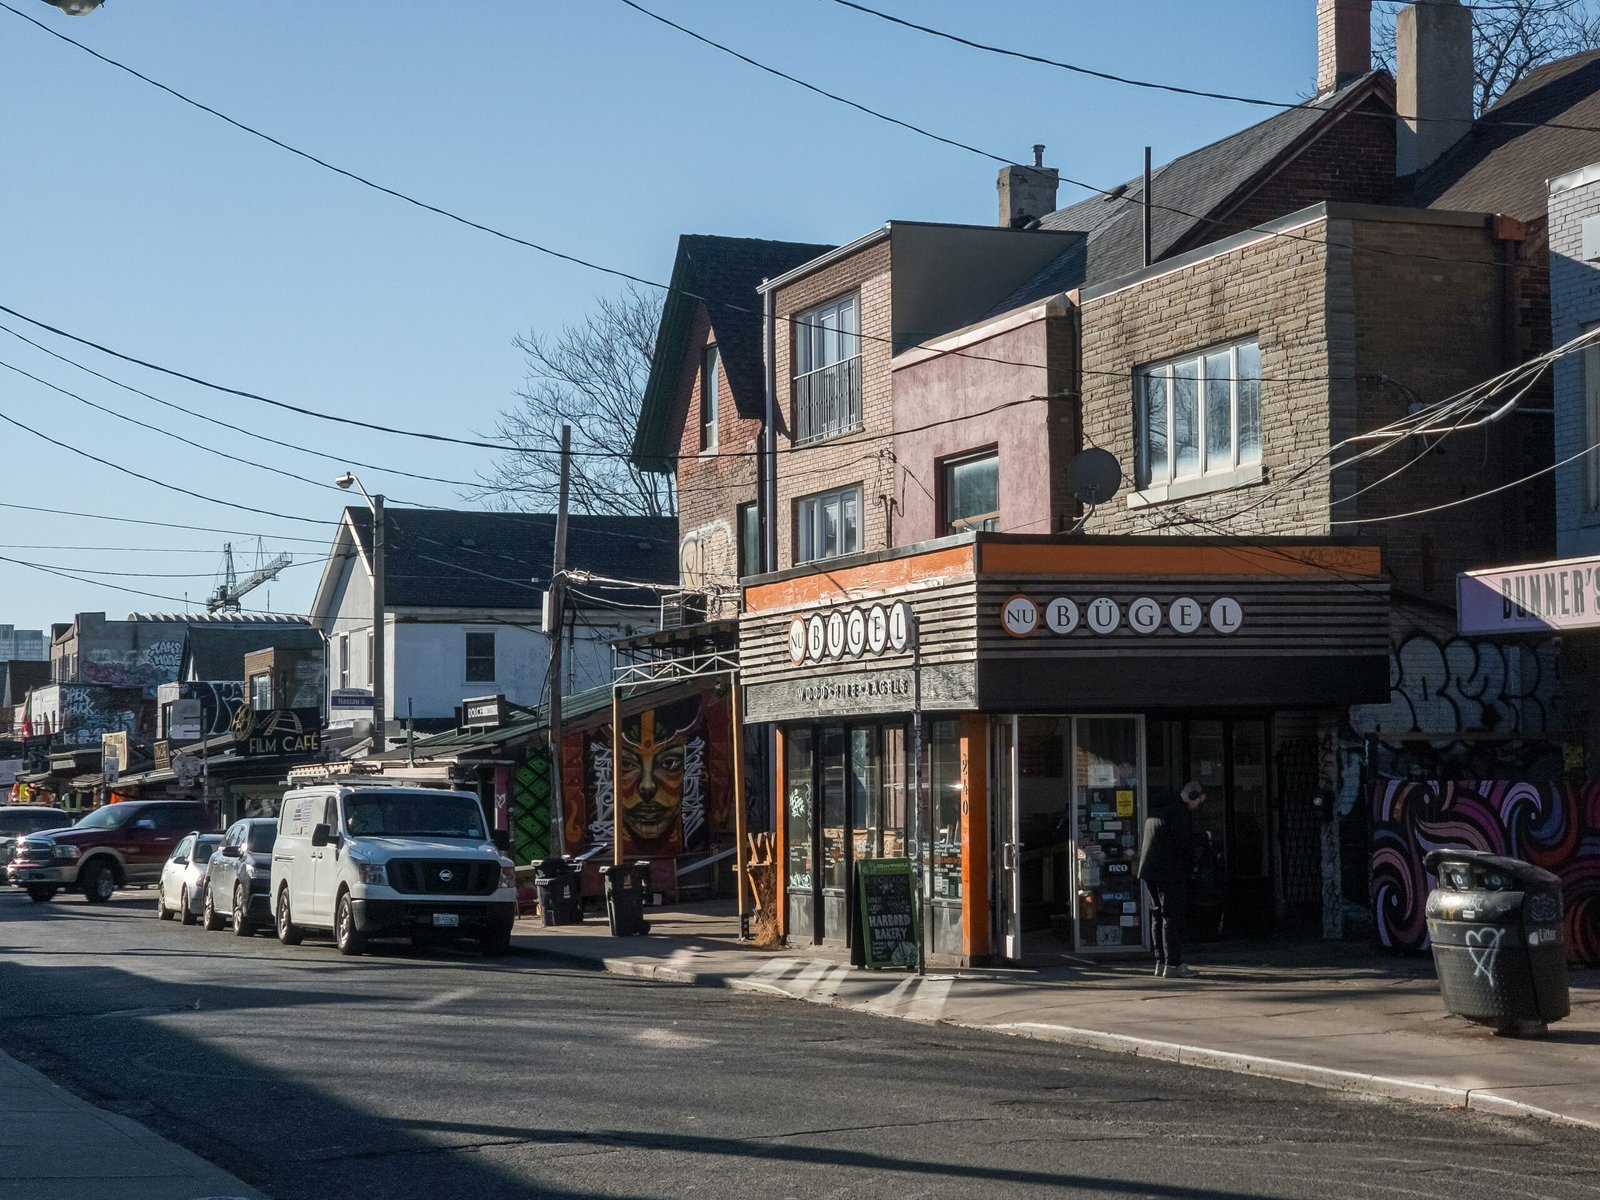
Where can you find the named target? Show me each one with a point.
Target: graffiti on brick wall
(87, 715)
(706, 557)
(1463, 685)
(155, 664)
(1554, 826)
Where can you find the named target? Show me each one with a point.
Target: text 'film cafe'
(1060, 681)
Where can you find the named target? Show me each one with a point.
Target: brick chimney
(1027, 193)
(1344, 42)
(1433, 81)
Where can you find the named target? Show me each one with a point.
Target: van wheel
(288, 932)
(212, 920)
(241, 902)
(350, 939)
(98, 882)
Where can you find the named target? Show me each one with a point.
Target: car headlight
(508, 877)
(65, 850)
(372, 872)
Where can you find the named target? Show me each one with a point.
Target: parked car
(112, 847)
(19, 819)
(369, 861)
(181, 890)
(240, 887)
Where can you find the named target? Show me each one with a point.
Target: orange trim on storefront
(846, 583)
(975, 880)
(1290, 560)
(780, 838)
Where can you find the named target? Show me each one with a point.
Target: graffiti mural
(674, 775)
(146, 669)
(89, 713)
(1554, 826)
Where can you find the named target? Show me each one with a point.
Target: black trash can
(1495, 925)
(560, 898)
(627, 893)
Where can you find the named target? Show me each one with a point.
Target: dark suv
(19, 820)
(110, 848)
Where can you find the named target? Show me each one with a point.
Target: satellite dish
(1094, 476)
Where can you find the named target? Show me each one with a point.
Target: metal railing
(827, 402)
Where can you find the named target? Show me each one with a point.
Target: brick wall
(864, 458)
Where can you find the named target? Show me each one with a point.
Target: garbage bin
(627, 892)
(560, 901)
(1495, 925)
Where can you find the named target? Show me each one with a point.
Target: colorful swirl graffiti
(1554, 826)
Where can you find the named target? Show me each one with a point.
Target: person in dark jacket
(1166, 861)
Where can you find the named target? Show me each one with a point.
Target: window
(1199, 418)
(971, 492)
(827, 370)
(344, 660)
(1591, 424)
(827, 525)
(749, 540)
(370, 663)
(710, 383)
(480, 658)
(261, 692)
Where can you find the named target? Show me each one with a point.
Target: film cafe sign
(1534, 599)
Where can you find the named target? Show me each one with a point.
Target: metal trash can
(560, 898)
(1495, 925)
(627, 893)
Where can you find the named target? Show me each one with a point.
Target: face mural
(651, 760)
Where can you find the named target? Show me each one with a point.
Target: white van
(385, 860)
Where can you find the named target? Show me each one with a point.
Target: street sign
(350, 698)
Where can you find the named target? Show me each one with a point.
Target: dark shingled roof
(1503, 164)
(215, 653)
(18, 676)
(455, 559)
(726, 272)
(1204, 182)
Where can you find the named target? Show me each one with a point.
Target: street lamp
(380, 715)
(76, 8)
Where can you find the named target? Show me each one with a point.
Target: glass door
(1108, 816)
(1007, 843)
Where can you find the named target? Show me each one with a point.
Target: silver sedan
(182, 890)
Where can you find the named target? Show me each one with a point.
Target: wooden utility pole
(557, 608)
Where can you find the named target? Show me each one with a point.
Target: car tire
(211, 919)
(350, 940)
(185, 913)
(41, 895)
(163, 913)
(288, 932)
(494, 943)
(98, 882)
(241, 906)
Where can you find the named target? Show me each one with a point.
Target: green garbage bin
(1498, 949)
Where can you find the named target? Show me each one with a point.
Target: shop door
(1007, 841)
(1108, 817)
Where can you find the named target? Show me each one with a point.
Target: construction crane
(232, 588)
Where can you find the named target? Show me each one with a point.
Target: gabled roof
(1503, 163)
(17, 676)
(725, 272)
(1205, 184)
(215, 653)
(498, 560)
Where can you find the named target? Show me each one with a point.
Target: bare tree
(591, 376)
(1509, 39)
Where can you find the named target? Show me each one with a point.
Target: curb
(1361, 1083)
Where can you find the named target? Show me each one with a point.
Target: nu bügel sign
(1531, 599)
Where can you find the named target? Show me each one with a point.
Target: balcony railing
(827, 402)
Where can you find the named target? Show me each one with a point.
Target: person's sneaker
(1161, 970)
(1181, 973)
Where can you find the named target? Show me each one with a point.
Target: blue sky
(135, 221)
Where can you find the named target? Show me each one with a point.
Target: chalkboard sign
(886, 899)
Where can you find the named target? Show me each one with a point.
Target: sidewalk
(1331, 1014)
(54, 1146)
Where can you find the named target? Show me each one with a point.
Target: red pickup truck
(110, 848)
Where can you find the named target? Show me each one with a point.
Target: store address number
(1022, 616)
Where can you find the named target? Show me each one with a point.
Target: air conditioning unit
(682, 608)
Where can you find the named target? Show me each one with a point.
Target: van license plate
(447, 920)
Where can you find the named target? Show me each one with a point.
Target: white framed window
(710, 384)
(971, 488)
(827, 525)
(480, 657)
(1198, 419)
(370, 664)
(344, 660)
(260, 692)
(827, 370)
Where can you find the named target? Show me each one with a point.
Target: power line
(67, 512)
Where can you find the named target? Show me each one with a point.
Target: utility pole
(558, 612)
(380, 712)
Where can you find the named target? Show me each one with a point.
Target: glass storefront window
(1105, 775)
(799, 807)
(835, 784)
(944, 778)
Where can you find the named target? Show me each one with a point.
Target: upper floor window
(344, 660)
(710, 383)
(827, 525)
(371, 662)
(971, 486)
(480, 658)
(261, 692)
(1199, 417)
(827, 370)
(1590, 361)
(749, 539)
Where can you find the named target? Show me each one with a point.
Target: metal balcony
(827, 402)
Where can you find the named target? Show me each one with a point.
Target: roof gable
(216, 653)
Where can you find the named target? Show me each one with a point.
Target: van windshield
(413, 814)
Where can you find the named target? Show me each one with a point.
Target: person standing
(1166, 861)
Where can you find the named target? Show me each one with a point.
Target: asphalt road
(440, 1074)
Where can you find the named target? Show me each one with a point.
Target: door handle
(1008, 856)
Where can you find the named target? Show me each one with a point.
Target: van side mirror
(320, 836)
(230, 852)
